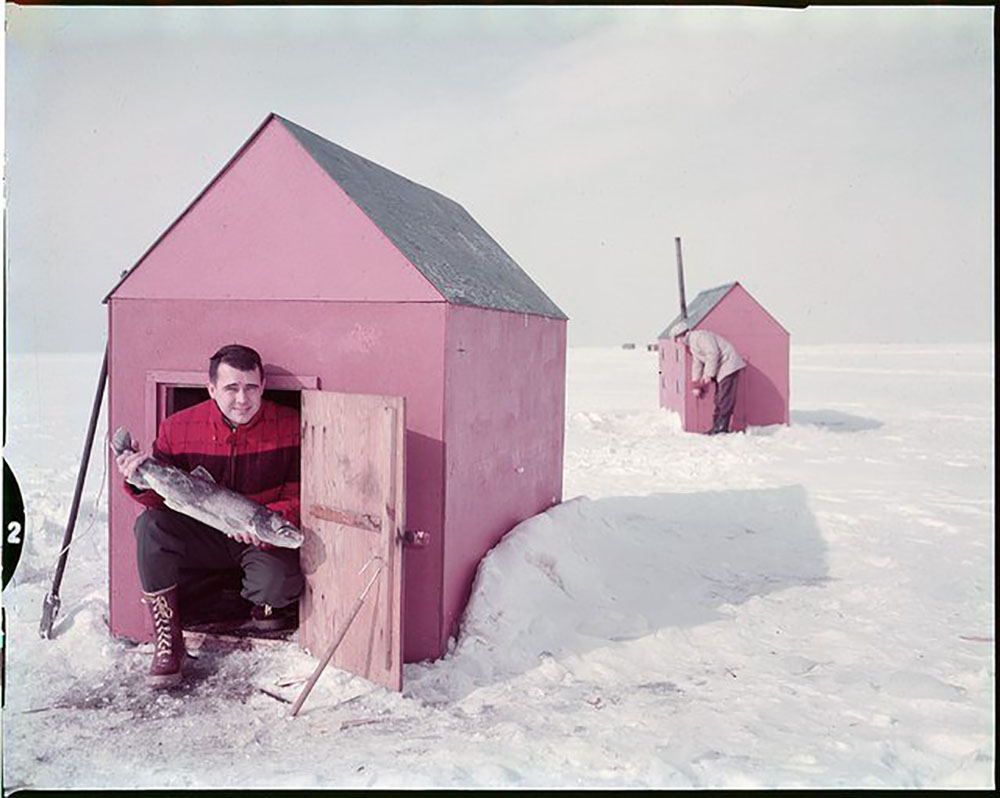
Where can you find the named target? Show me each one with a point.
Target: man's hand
(128, 462)
(696, 391)
(251, 540)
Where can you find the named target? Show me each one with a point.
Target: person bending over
(712, 358)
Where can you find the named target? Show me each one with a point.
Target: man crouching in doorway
(249, 445)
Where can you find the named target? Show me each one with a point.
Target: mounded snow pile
(587, 573)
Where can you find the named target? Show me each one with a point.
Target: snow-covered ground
(809, 605)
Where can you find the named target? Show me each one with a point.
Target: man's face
(237, 393)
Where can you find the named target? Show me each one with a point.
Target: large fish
(199, 496)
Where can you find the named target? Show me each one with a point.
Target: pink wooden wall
(299, 237)
(504, 426)
(764, 385)
(381, 348)
(673, 376)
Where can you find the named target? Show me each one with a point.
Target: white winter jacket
(712, 355)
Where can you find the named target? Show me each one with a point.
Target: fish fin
(202, 473)
(176, 506)
(235, 524)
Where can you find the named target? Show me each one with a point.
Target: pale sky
(838, 162)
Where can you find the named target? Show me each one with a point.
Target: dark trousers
(169, 542)
(725, 401)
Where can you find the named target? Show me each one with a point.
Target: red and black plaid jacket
(259, 459)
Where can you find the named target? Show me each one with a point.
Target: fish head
(279, 531)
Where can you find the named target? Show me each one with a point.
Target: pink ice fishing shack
(429, 367)
(762, 396)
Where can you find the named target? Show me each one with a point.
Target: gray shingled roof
(435, 233)
(700, 307)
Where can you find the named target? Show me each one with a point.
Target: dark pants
(169, 542)
(725, 401)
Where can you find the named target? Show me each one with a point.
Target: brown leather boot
(168, 658)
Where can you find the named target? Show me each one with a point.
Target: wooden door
(353, 518)
(739, 422)
(704, 409)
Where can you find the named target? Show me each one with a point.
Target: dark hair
(239, 357)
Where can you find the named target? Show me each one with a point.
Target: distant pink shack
(348, 277)
(762, 397)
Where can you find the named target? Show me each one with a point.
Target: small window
(677, 385)
(677, 354)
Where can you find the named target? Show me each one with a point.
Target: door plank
(353, 518)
